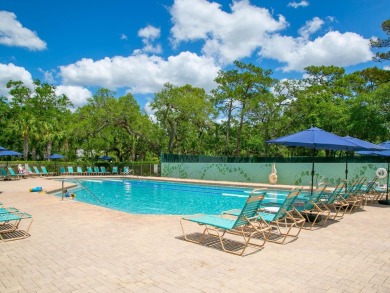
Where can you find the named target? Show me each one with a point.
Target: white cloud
(11, 72)
(331, 19)
(78, 95)
(298, 4)
(141, 73)
(149, 34)
(227, 36)
(48, 75)
(123, 37)
(13, 34)
(311, 27)
(386, 67)
(150, 112)
(334, 48)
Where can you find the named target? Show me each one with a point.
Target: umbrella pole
(387, 185)
(386, 201)
(62, 191)
(346, 171)
(312, 172)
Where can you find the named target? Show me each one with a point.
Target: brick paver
(76, 247)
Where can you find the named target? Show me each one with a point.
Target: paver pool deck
(76, 247)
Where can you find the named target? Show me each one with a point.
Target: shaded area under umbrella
(316, 139)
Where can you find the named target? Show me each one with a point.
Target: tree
(5, 118)
(368, 115)
(183, 112)
(373, 77)
(235, 89)
(319, 99)
(114, 124)
(382, 43)
(267, 118)
(34, 110)
(136, 125)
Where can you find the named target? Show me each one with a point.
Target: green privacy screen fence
(292, 170)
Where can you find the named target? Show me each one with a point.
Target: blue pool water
(169, 198)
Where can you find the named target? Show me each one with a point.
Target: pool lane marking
(236, 195)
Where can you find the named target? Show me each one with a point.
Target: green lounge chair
(70, 170)
(114, 170)
(90, 171)
(335, 202)
(371, 192)
(46, 173)
(280, 218)
(13, 174)
(6, 210)
(352, 196)
(103, 171)
(311, 209)
(244, 225)
(126, 171)
(79, 171)
(96, 170)
(4, 174)
(36, 171)
(30, 172)
(21, 173)
(62, 171)
(10, 225)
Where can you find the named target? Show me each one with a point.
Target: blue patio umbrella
(316, 139)
(55, 156)
(107, 158)
(384, 153)
(9, 153)
(368, 146)
(365, 144)
(5, 152)
(2, 149)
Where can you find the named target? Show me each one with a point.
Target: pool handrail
(85, 188)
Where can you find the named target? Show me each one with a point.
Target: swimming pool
(168, 198)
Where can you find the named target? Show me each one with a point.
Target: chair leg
(289, 222)
(220, 233)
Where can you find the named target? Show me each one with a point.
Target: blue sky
(137, 46)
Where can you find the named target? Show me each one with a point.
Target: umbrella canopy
(2, 149)
(108, 158)
(385, 144)
(364, 144)
(55, 156)
(4, 152)
(384, 153)
(316, 139)
(9, 153)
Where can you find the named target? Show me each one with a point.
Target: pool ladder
(131, 171)
(86, 189)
